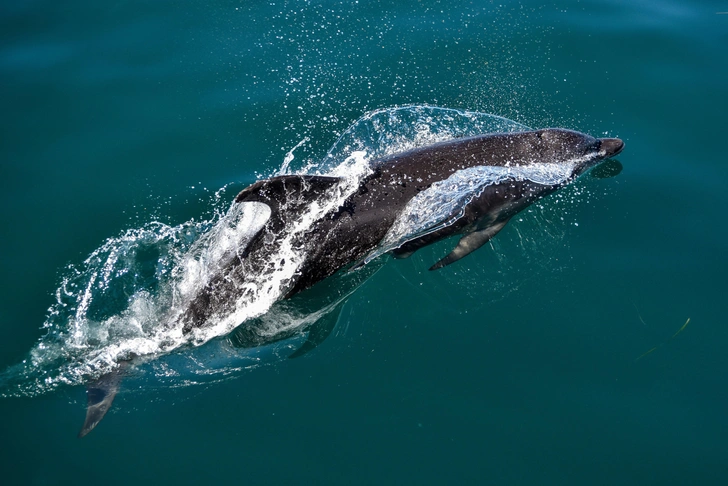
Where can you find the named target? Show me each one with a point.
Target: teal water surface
(556, 355)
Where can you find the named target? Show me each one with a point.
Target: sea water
(557, 354)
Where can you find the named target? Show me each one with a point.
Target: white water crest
(124, 300)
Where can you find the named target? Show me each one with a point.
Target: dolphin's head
(558, 145)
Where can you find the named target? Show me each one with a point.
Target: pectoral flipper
(469, 243)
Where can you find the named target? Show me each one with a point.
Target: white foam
(226, 240)
(269, 287)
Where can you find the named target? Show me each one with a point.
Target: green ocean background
(558, 354)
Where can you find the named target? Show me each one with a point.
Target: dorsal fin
(470, 242)
(292, 192)
(285, 187)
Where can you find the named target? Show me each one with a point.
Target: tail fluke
(100, 395)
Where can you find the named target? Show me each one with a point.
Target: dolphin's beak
(612, 146)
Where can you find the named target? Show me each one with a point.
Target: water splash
(389, 131)
(124, 301)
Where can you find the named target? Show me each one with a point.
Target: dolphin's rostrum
(468, 186)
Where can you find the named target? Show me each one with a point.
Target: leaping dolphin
(469, 187)
(495, 176)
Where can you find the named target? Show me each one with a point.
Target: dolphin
(349, 234)
(468, 187)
